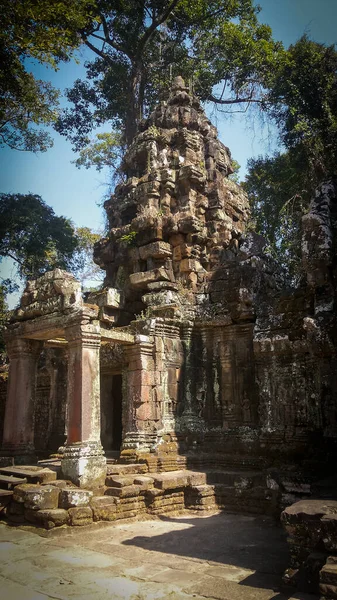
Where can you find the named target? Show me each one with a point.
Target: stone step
(328, 581)
(9, 481)
(5, 498)
(170, 480)
(126, 469)
(33, 474)
(124, 475)
(244, 479)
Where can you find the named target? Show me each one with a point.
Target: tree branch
(212, 98)
(9, 255)
(98, 52)
(155, 23)
(111, 42)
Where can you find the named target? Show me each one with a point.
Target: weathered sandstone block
(71, 497)
(52, 518)
(104, 508)
(37, 497)
(80, 515)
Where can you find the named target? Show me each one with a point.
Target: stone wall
(231, 363)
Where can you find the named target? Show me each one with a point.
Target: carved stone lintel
(84, 464)
(17, 347)
(87, 335)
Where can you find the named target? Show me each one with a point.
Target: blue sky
(78, 194)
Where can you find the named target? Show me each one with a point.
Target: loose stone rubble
(209, 382)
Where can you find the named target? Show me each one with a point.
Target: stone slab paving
(218, 556)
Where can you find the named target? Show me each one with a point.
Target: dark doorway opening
(111, 411)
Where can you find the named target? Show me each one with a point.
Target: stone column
(18, 433)
(83, 460)
(190, 421)
(140, 416)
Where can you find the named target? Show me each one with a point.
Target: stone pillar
(83, 460)
(190, 421)
(18, 433)
(140, 413)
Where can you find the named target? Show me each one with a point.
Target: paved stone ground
(221, 556)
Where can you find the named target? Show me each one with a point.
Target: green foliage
(82, 264)
(33, 236)
(140, 46)
(25, 104)
(129, 238)
(3, 319)
(279, 194)
(303, 101)
(44, 31)
(105, 151)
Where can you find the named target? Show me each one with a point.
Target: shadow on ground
(249, 543)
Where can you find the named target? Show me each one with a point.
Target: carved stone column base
(139, 440)
(84, 464)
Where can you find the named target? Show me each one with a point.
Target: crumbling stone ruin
(203, 380)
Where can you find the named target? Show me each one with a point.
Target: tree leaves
(33, 236)
(303, 101)
(140, 46)
(49, 33)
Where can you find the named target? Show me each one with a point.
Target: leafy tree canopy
(82, 264)
(303, 101)
(278, 193)
(44, 31)
(217, 45)
(33, 236)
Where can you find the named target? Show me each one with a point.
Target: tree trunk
(135, 111)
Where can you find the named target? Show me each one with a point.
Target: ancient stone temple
(208, 381)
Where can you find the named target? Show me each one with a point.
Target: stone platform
(35, 495)
(214, 556)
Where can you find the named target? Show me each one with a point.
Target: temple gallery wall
(194, 363)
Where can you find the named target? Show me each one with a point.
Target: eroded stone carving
(54, 292)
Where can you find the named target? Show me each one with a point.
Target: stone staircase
(134, 489)
(12, 476)
(172, 491)
(328, 579)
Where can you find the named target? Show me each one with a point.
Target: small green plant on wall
(129, 238)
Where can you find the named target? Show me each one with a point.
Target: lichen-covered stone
(104, 508)
(71, 497)
(52, 518)
(127, 491)
(311, 527)
(36, 497)
(118, 481)
(63, 483)
(80, 515)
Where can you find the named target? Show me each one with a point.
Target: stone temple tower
(220, 365)
(175, 213)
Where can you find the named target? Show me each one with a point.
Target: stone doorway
(111, 411)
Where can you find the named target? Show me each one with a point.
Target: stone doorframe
(83, 461)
